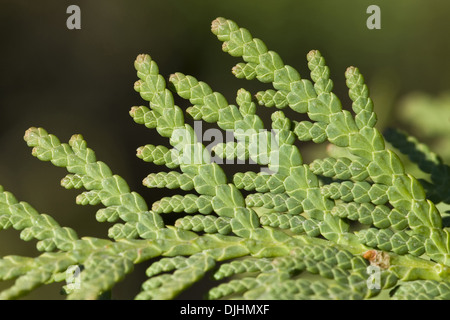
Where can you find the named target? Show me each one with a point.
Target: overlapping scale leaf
(359, 94)
(400, 242)
(295, 223)
(276, 201)
(232, 150)
(189, 203)
(380, 216)
(170, 180)
(307, 131)
(233, 287)
(359, 192)
(208, 224)
(243, 266)
(423, 290)
(260, 182)
(341, 168)
(159, 155)
(320, 73)
(168, 286)
(272, 98)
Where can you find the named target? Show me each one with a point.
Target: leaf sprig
(334, 218)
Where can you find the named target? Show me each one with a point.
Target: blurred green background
(81, 81)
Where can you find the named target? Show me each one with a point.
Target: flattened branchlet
(333, 217)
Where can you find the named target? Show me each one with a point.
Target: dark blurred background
(81, 81)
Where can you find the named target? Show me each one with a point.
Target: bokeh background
(81, 81)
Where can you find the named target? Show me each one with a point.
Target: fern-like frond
(342, 227)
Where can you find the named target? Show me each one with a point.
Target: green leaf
(227, 198)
